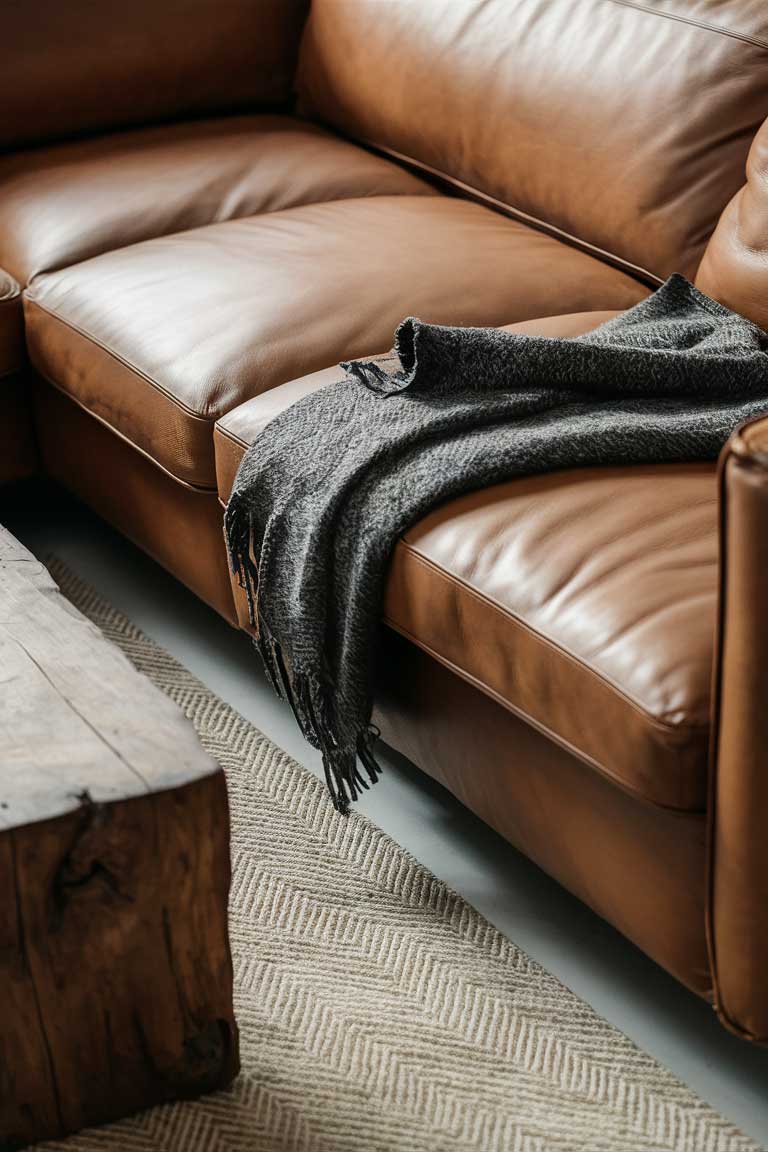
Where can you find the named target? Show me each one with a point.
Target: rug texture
(378, 1010)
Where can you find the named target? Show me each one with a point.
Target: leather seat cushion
(586, 602)
(63, 204)
(583, 601)
(162, 338)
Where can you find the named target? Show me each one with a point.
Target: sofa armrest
(738, 811)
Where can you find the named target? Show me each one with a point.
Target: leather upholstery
(640, 867)
(17, 447)
(179, 528)
(551, 640)
(601, 638)
(81, 66)
(738, 893)
(62, 204)
(625, 125)
(160, 339)
(734, 269)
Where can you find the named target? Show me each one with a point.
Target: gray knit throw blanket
(331, 483)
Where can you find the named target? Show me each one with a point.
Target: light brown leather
(81, 66)
(640, 867)
(162, 338)
(572, 600)
(65, 203)
(734, 269)
(239, 427)
(180, 529)
(623, 124)
(601, 637)
(738, 897)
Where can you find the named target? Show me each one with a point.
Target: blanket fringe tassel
(309, 700)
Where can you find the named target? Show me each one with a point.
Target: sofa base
(180, 527)
(640, 867)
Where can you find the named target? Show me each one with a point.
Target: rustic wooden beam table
(115, 969)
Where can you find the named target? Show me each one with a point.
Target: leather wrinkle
(506, 209)
(719, 29)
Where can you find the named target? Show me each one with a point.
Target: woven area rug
(378, 1010)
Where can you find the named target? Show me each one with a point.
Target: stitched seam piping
(203, 490)
(718, 29)
(222, 431)
(32, 300)
(662, 726)
(584, 757)
(237, 443)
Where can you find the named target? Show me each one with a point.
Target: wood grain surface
(115, 969)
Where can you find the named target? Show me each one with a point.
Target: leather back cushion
(735, 265)
(623, 124)
(73, 66)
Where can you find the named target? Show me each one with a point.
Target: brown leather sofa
(579, 656)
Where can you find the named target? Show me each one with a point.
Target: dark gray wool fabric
(324, 493)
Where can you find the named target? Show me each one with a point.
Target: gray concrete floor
(549, 924)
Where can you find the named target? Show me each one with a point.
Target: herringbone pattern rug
(378, 1010)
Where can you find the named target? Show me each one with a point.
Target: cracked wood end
(115, 967)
